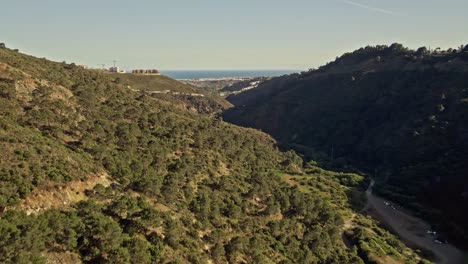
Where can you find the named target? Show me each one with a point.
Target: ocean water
(212, 74)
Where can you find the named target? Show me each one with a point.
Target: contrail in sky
(388, 12)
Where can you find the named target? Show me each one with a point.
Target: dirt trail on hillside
(413, 230)
(60, 196)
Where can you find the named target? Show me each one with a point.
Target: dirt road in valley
(413, 230)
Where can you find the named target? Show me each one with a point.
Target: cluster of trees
(363, 235)
(87, 230)
(374, 244)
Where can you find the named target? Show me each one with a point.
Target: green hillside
(184, 95)
(396, 113)
(169, 185)
(154, 83)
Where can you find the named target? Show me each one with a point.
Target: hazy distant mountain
(397, 113)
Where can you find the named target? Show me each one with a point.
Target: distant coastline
(217, 74)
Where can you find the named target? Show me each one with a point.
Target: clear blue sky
(221, 34)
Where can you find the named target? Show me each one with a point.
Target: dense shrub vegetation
(185, 187)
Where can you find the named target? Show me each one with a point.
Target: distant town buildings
(150, 71)
(116, 70)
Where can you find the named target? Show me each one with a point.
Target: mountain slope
(181, 187)
(394, 112)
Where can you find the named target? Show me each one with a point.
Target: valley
(226, 86)
(96, 172)
(116, 168)
(234, 132)
(392, 112)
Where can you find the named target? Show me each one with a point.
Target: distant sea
(212, 74)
